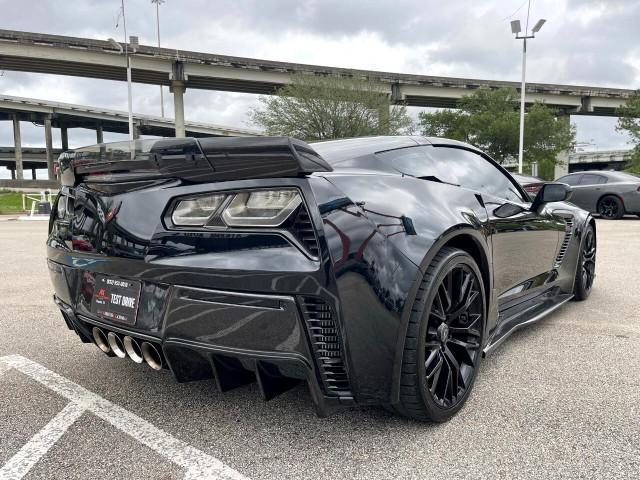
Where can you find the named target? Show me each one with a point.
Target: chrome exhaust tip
(115, 342)
(133, 349)
(151, 355)
(100, 340)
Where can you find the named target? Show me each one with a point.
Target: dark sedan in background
(609, 193)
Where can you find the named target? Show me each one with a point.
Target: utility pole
(126, 54)
(158, 3)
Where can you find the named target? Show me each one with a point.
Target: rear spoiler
(195, 160)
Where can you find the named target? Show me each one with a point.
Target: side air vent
(303, 230)
(565, 243)
(326, 344)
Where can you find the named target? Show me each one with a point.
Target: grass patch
(10, 202)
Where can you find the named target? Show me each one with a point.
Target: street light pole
(158, 3)
(516, 29)
(522, 106)
(126, 54)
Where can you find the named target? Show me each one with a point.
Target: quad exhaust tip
(100, 338)
(151, 355)
(117, 347)
(133, 349)
(127, 347)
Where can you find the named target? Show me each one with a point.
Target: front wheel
(611, 208)
(586, 268)
(442, 348)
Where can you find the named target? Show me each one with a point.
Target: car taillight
(533, 188)
(196, 211)
(267, 208)
(256, 208)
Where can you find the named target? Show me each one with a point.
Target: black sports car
(378, 270)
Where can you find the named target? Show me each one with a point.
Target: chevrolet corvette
(377, 270)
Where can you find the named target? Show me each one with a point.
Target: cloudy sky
(584, 42)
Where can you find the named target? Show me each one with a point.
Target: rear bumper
(348, 282)
(631, 202)
(233, 338)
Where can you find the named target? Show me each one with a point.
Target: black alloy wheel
(611, 208)
(453, 336)
(444, 338)
(586, 268)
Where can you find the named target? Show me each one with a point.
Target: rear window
(627, 177)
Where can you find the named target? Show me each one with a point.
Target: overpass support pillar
(64, 137)
(48, 140)
(178, 88)
(178, 85)
(18, 147)
(562, 159)
(99, 133)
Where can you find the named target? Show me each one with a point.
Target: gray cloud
(583, 42)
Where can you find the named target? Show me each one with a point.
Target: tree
(444, 123)
(629, 122)
(314, 107)
(490, 119)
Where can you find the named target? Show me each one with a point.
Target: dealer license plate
(115, 299)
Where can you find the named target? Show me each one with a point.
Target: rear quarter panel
(382, 232)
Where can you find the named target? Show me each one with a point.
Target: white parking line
(20, 464)
(196, 463)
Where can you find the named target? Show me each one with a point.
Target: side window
(570, 179)
(453, 165)
(592, 179)
(477, 173)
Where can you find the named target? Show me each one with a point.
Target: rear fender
(404, 222)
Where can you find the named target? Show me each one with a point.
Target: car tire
(610, 207)
(586, 266)
(433, 351)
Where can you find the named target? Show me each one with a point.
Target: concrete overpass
(179, 69)
(33, 158)
(586, 160)
(65, 115)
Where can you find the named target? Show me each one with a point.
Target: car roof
(336, 150)
(612, 174)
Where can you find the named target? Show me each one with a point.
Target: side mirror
(551, 192)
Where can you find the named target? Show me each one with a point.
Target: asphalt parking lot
(560, 399)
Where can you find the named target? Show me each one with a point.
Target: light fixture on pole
(516, 29)
(158, 3)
